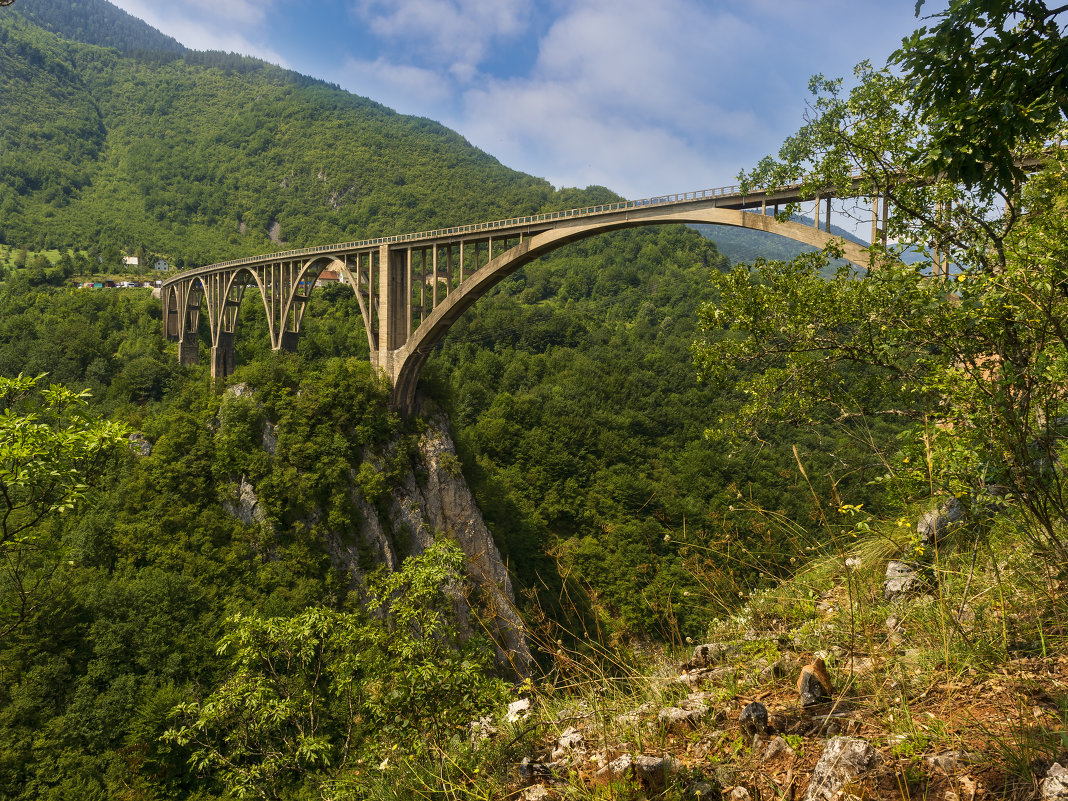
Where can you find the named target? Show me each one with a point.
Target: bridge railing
(511, 222)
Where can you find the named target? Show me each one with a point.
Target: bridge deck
(726, 197)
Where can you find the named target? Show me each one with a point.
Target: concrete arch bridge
(412, 287)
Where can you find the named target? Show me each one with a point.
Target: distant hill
(199, 156)
(744, 246)
(96, 22)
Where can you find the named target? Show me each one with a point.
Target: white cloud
(407, 89)
(641, 97)
(668, 96)
(455, 34)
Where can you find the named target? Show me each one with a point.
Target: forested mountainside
(574, 402)
(577, 411)
(208, 156)
(200, 156)
(97, 23)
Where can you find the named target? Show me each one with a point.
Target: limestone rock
(635, 715)
(139, 445)
(568, 745)
(571, 738)
(934, 525)
(776, 748)
(777, 669)
(481, 729)
(239, 391)
(844, 760)
(706, 655)
(442, 503)
(814, 683)
(270, 437)
(518, 710)
(373, 535)
(245, 506)
(754, 718)
(651, 771)
(532, 770)
(675, 718)
(948, 762)
(1055, 786)
(739, 793)
(902, 578)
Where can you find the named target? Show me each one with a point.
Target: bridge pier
(288, 341)
(189, 349)
(222, 356)
(394, 298)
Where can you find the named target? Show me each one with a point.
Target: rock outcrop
(443, 504)
(432, 500)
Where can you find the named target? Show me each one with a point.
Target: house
(327, 277)
(130, 261)
(161, 265)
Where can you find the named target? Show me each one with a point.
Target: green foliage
(210, 156)
(973, 355)
(579, 420)
(98, 23)
(106, 341)
(986, 66)
(51, 451)
(308, 697)
(577, 412)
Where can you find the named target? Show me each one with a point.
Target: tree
(51, 452)
(307, 695)
(968, 345)
(987, 65)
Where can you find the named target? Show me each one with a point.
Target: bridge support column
(393, 305)
(189, 349)
(222, 356)
(171, 325)
(289, 341)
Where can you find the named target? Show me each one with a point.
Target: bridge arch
(403, 323)
(407, 362)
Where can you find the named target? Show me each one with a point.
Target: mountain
(96, 22)
(292, 495)
(200, 156)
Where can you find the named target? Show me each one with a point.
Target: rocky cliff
(431, 500)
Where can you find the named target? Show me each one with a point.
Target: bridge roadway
(412, 287)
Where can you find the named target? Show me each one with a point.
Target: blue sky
(645, 97)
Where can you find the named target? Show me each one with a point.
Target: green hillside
(198, 157)
(575, 404)
(97, 23)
